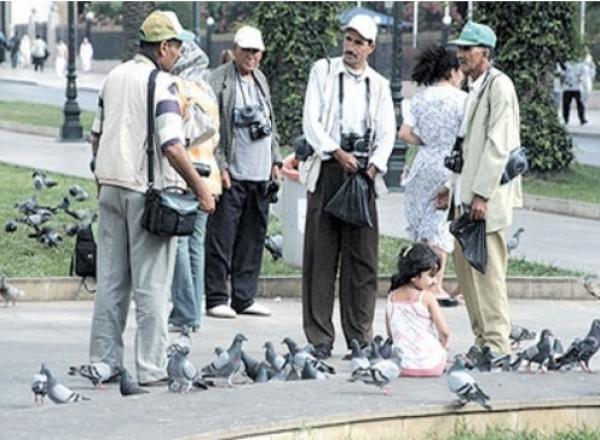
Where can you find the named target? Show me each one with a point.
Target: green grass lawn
(40, 114)
(498, 433)
(580, 182)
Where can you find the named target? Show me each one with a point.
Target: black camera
(203, 169)
(253, 117)
(358, 146)
(271, 191)
(517, 164)
(302, 149)
(455, 161)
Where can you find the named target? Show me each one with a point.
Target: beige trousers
(485, 296)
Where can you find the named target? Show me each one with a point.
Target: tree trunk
(134, 14)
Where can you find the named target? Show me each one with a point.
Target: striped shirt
(121, 126)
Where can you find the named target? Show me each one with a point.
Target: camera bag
(168, 212)
(83, 260)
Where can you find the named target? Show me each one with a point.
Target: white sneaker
(256, 309)
(222, 311)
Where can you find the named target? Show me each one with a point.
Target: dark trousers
(568, 96)
(235, 237)
(328, 240)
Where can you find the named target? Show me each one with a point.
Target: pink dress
(415, 334)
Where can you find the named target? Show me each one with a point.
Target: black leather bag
(168, 212)
(471, 237)
(351, 201)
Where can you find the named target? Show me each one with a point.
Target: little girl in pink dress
(414, 319)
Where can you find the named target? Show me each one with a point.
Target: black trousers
(328, 241)
(235, 238)
(568, 96)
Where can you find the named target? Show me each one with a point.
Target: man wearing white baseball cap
(349, 121)
(249, 160)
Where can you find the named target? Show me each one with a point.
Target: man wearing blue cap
(490, 131)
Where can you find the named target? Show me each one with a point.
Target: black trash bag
(471, 236)
(351, 201)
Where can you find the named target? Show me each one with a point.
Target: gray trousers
(131, 262)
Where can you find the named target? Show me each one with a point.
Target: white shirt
(321, 110)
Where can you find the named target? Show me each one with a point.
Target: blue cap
(475, 34)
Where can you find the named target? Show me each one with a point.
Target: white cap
(364, 25)
(248, 37)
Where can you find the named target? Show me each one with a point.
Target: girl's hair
(412, 261)
(434, 64)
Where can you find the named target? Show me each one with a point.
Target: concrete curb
(569, 208)
(30, 129)
(72, 289)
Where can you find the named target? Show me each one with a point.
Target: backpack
(83, 261)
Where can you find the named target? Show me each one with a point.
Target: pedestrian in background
(61, 57)
(589, 75)
(13, 46)
(132, 263)
(348, 113)
(201, 125)
(249, 160)
(573, 77)
(432, 123)
(25, 51)
(39, 53)
(86, 53)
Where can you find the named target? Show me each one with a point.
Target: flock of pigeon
(378, 364)
(37, 217)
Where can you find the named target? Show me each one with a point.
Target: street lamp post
(71, 129)
(210, 22)
(396, 161)
(196, 20)
(446, 21)
(89, 21)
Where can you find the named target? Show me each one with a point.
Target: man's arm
(385, 131)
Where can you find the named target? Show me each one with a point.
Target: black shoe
(584, 122)
(474, 357)
(322, 352)
(347, 356)
(447, 302)
(493, 361)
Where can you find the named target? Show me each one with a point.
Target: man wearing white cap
(131, 261)
(344, 97)
(249, 160)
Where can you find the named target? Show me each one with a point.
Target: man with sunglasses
(249, 160)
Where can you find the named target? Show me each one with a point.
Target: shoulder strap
(150, 135)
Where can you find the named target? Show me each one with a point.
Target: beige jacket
(492, 131)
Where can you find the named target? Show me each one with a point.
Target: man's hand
(346, 160)
(478, 208)
(442, 198)
(207, 203)
(225, 179)
(372, 171)
(276, 174)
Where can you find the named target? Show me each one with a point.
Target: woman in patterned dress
(433, 122)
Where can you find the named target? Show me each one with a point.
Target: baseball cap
(364, 25)
(475, 34)
(248, 37)
(163, 25)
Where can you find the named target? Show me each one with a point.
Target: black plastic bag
(471, 236)
(351, 201)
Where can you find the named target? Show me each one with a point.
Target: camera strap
(341, 102)
(257, 89)
(150, 135)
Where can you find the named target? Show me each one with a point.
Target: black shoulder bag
(170, 211)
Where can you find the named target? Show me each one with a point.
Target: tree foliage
(532, 38)
(133, 17)
(296, 34)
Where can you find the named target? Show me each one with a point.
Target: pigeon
(519, 334)
(183, 340)
(276, 361)
(181, 371)
(97, 372)
(10, 226)
(49, 237)
(228, 363)
(381, 373)
(310, 372)
(48, 182)
(59, 393)
(359, 357)
(77, 193)
(513, 242)
(251, 366)
(29, 206)
(540, 353)
(71, 230)
(64, 204)
(37, 219)
(274, 244)
(39, 386)
(128, 386)
(582, 351)
(9, 293)
(38, 181)
(464, 386)
(264, 373)
(385, 350)
(300, 356)
(591, 284)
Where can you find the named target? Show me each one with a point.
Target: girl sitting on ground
(414, 319)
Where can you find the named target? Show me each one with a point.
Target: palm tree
(133, 16)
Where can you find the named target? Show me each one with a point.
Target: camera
(517, 164)
(253, 117)
(271, 191)
(203, 169)
(302, 149)
(455, 161)
(358, 146)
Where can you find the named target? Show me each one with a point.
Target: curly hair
(434, 63)
(412, 261)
